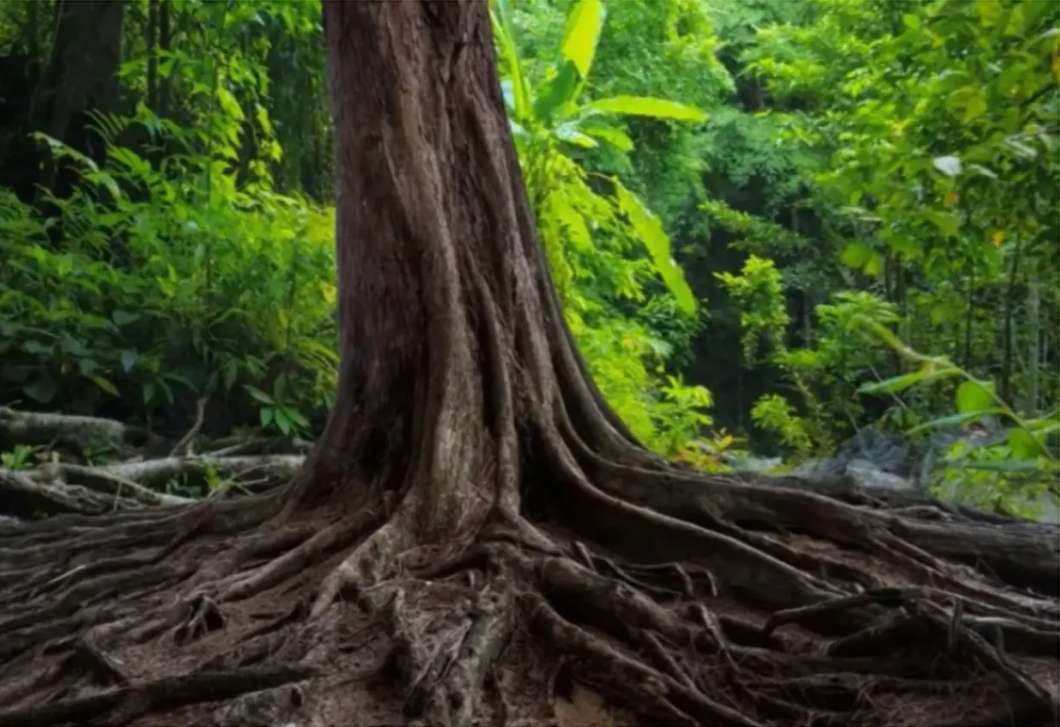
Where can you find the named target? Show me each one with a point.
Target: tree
(80, 76)
(473, 490)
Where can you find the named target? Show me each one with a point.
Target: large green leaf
(520, 91)
(655, 108)
(954, 420)
(1025, 445)
(650, 230)
(556, 93)
(569, 133)
(861, 256)
(584, 24)
(615, 137)
(975, 396)
(930, 372)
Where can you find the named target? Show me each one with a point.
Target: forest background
(774, 224)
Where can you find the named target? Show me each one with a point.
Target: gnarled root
(205, 608)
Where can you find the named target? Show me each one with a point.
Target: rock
(866, 474)
(826, 471)
(870, 458)
(860, 472)
(750, 463)
(884, 452)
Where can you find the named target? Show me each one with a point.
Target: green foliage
(606, 249)
(825, 374)
(774, 413)
(183, 272)
(1012, 474)
(166, 284)
(763, 317)
(275, 410)
(873, 179)
(19, 458)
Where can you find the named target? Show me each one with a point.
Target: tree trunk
(476, 531)
(165, 84)
(82, 75)
(902, 299)
(1034, 345)
(1007, 334)
(151, 33)
(969, 317)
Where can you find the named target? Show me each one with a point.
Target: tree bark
(81, 75)
(164, 44)
(1007, 334)
(151, 33)
(1034, 345)
(476, 528)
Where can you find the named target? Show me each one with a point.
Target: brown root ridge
(232, 612)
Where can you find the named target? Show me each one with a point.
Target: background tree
(475, 503)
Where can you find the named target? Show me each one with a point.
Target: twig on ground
(181, 447)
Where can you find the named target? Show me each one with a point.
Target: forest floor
(46, 472)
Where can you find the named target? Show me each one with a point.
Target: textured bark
(477, 537)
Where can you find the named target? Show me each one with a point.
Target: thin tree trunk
(1034, 345)
(152, 55)
(1007, 343)
(33, 31)
(82, 73)
(164, 44)
(969, 317)
(903, 309)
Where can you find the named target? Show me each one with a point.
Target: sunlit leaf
(975, 396)
(650, 229)
(855, 254)
(1024, 445)
(615, 137)
(105, 385)
(520, 90)
(903, 382)
(584, 24)
(644, 106)
(556, 93)
(953, 420)
(569, 133)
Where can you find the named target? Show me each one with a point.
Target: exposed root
(647, 686)
(337, 536)
(204, 616)
(646, 635)
(121, 706)
(372, 562)
(92, 658)
(891, 597)
(446, 681)
(68, 430)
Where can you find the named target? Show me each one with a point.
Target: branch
(68, 430)
(62, 487)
